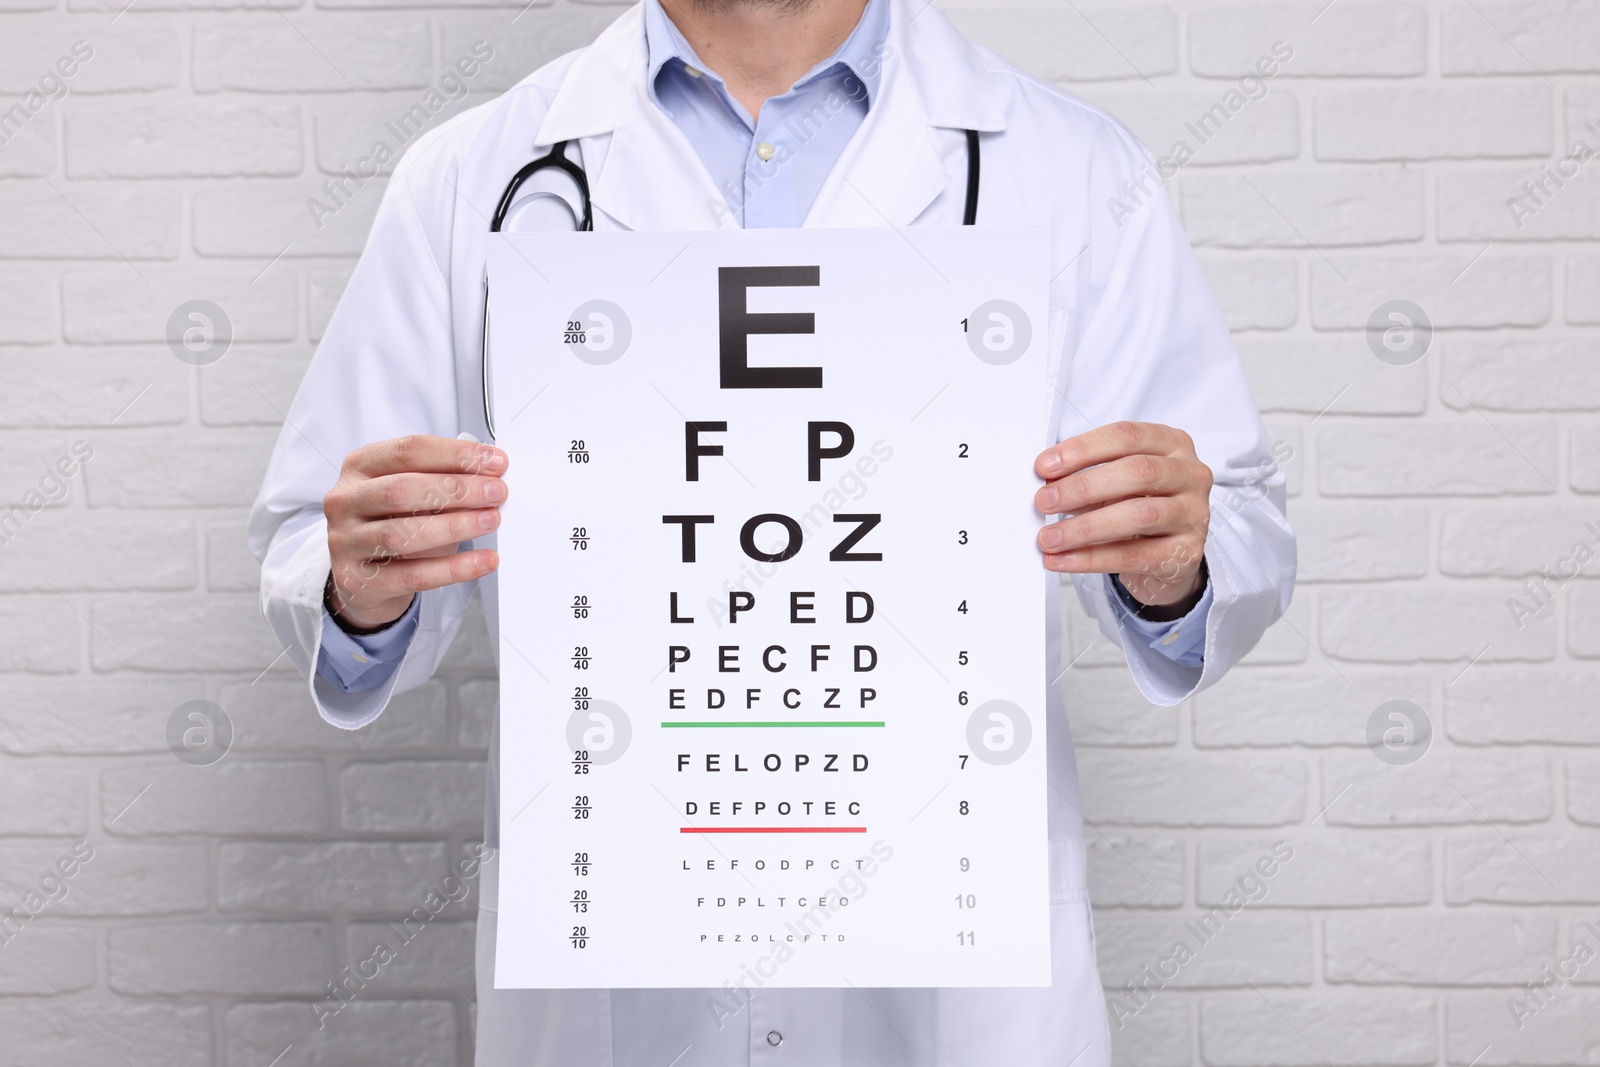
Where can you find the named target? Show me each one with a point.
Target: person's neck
(762, 47)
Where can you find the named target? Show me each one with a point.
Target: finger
(1109, 442)
(1145, 556)
(415, 494)
(413, 536)
(1119, 479)
(422, 453)
(397, 578)
(1145, 516)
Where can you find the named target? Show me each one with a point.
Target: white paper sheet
(824, 770)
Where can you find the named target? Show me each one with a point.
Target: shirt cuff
(1182, 640)
(358, 663)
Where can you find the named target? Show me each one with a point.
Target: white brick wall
(1419, 900)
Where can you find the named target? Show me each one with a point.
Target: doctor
(375, 523)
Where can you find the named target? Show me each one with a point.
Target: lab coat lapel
(893, 168)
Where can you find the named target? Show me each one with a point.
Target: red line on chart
(772, 829)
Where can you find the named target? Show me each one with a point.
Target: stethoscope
(556, 159)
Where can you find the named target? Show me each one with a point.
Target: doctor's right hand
(396, 517)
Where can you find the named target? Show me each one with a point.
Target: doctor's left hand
(396, 517)
(1136, 502)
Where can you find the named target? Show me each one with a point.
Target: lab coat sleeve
(1155, 348)
(384, 369)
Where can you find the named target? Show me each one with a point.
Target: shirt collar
(861, 53)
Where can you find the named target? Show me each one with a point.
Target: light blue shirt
(769, 170)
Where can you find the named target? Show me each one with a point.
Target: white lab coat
(1135, 335)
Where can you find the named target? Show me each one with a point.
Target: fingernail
(495, 490)
(1050, 537)
(1050, 463)
(488, 520)
(1049, 499)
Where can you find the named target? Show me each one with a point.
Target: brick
(80, 717)
(1452, 290)
(521, 46)
(38, 473)
(1443, 788)
(1249, 948)
(1438, 459)
(277, 715)
(47, 956)
(1583, 291)
(1525, 37)
(425, 959)
(32, 311)
(1356, 542)
(478, 700)
(192, 139)
(247, 221)
(102, 307)
(70, 551)
(229, 565)
(216, 469)
(330, 53)
(253, 385)
(324, 287)
(1456, 122)
(1317, 208)
(1135, 872)
(241, 958)
(1583, 623)
(55, 1035)
(1161, 790)
(419, 1033)
(43, 798)
(1518, 375)
(1225, 125)
(31, 150)
(1345, 40)
(346, 134)
(131, 56)
(42, 636)
(1582, 114)
(1543, 202)
(1583, 790)
(1108, 709)
(1548, 705)
(1255, 293)
(1314, 1031)
(1268, 709)
(1522, 867)
(1422, 948)
(1082, 44)
(1333, 375)
(1325, 870)
(73, 388)
(183, 5)
(63, 220)
(115, 879)
(279, 797)
(1585, 458)
(1514, 542)
(297, 878)
(1435, 625)
(1481, 1027)
(412, 796)
(215, 633)
(1152, 1034)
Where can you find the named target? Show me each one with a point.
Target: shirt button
(766, 152)
(774, 1038)
(693, 72)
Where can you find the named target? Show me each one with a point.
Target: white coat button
(693, 72)
(766, 152)
(774, 1038)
